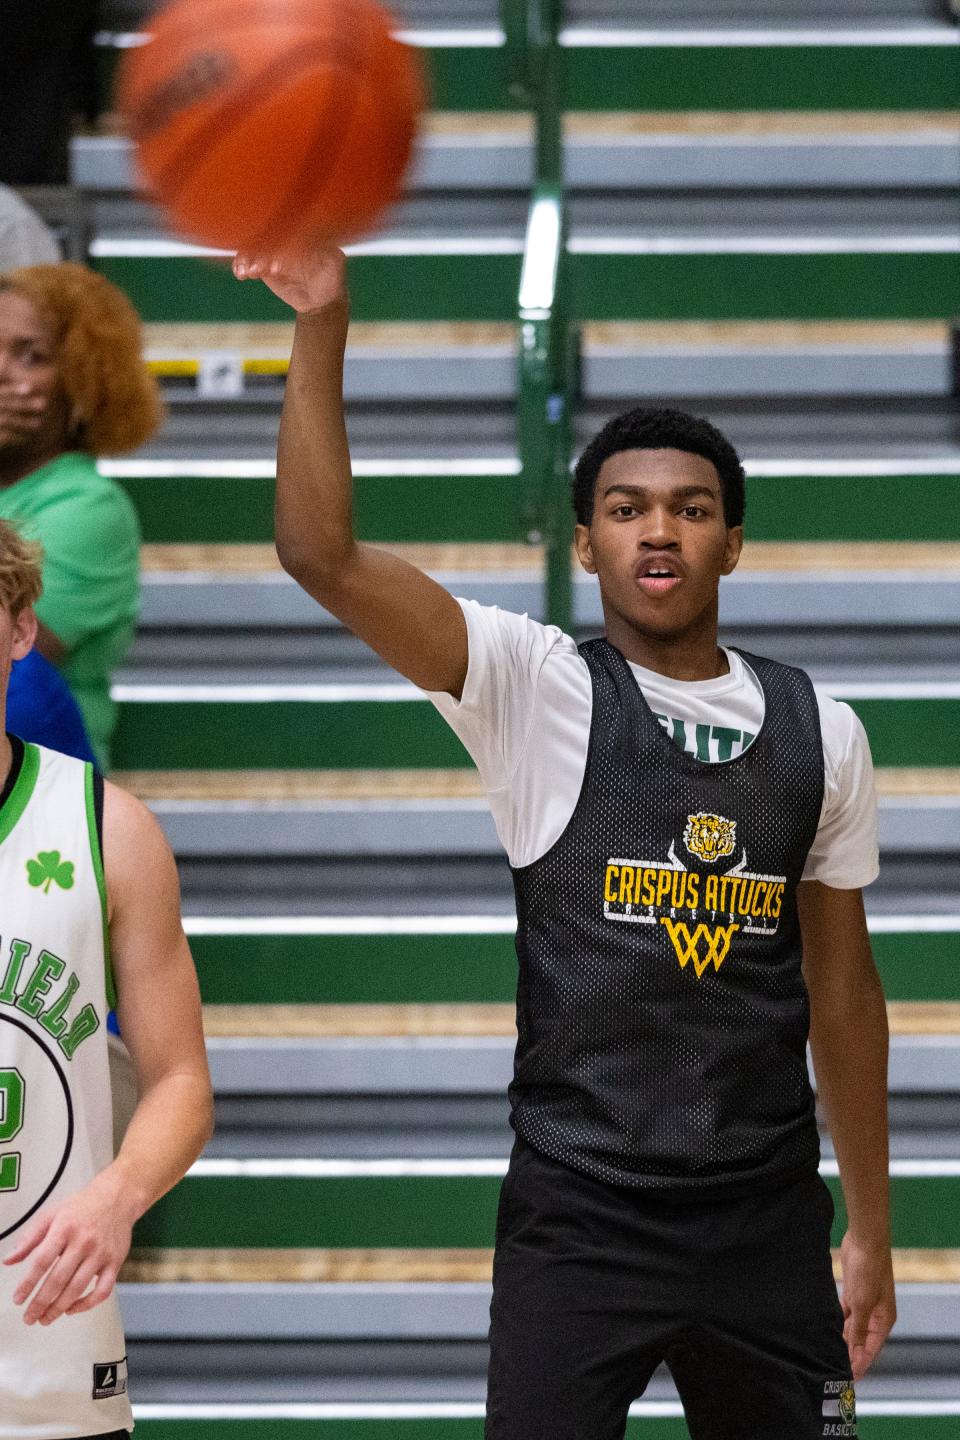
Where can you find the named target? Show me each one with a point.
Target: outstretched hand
(307, 280)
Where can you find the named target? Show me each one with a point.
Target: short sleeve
(91, 563)
(524, 717)
(493, 717)
(845, 851)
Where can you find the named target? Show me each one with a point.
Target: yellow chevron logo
(687, 946)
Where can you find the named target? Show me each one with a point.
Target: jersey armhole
(93, 790)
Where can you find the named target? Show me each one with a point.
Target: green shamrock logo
(48, 867)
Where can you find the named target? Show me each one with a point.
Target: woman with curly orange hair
(73, 386)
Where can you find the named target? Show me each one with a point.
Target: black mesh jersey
(662, 1016)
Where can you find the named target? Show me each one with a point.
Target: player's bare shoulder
(137, 859)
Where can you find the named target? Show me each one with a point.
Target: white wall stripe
(473, 925)
(843, 469)
(453, 39)
(457, 1410)
(151, 248)
(732, 39)
(263, 694)
(765, 244)
(910, 924)
(312, 1168)
(137, 248)
(350, 924)
(157, 248)
(316, 1410)
(892, 689)
(494, 469)
(506, 467)
(580, 38)
(386, 693)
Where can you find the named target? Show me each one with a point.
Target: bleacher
(760, 207)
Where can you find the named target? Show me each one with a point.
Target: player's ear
(581, 539)
(24, 633)
(731, 553)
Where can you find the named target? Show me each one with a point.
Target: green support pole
(547, 352)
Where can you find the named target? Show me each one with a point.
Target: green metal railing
(534, 75)
(549, 344)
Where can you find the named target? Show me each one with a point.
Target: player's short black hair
(660, 429)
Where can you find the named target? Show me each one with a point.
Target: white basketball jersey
(70, 1378)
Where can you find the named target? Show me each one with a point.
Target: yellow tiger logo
(710, 837)
(848, 1406)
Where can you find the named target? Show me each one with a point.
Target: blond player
(91, 917)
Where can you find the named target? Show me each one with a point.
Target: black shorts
(112, 1435)
(594, 1285)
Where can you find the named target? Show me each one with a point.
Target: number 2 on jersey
(11, 1123)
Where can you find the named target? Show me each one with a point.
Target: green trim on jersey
(19, 797)
(101, 882)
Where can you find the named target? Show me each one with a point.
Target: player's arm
(411, 621)
(82, 1242)
(849, 1043)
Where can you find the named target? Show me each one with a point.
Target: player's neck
(692, 655)
(6, 752)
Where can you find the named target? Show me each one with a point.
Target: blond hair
(20, 568)
(114, 400)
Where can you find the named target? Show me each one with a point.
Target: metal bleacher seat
(762, 214)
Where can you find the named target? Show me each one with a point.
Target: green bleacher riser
(897, 285)
(409, 734)
(430, 1212)
(199, 290)
(657, 1427)
(466, 969)
(399, 508)
(701, 77)
(762, 77)
(428, 509)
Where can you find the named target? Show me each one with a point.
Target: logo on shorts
(110, 1379)
(839, 1409)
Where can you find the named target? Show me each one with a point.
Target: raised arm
(412, 622)
(849, 1042)
(72, 1253)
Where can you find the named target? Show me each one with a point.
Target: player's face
(32, 403)
(658, 540)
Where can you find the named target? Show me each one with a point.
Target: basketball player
(90, 912)
(689, 830)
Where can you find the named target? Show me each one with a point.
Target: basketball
(258, 121)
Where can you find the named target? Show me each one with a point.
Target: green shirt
(91, 546)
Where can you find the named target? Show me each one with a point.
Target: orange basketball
(258, 121)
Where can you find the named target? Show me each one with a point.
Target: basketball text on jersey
(700, 911)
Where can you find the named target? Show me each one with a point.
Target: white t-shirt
(524, 717)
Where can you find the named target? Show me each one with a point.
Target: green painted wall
(465, 969)
(427, 509)
(430, 1212)
(366, 734)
